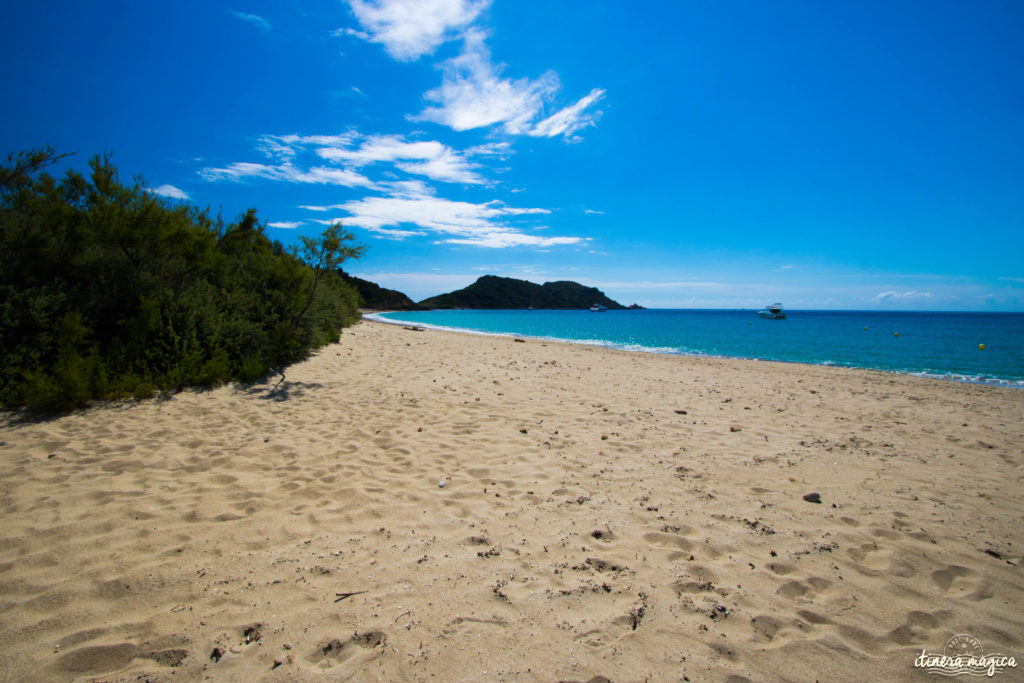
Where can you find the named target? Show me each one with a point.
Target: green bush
(109, 291)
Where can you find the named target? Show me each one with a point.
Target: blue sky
(722, 154)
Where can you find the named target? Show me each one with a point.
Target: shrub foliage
(107, 290)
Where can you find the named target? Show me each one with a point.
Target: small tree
(324, 254)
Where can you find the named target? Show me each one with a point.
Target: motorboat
(598, 308)
(772, 312)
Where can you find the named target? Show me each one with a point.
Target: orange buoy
(895, 334)
(981, 346)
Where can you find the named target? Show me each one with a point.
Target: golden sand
(603, 513)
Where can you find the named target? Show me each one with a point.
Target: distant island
(491, 291)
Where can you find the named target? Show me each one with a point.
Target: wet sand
(603, 513)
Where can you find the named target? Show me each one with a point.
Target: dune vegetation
(108, 290)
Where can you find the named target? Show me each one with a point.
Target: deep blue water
(934, 344)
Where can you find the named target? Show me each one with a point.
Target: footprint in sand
(767, 628)
(668, 540)
(616, 628)
(956, 581)
(460, 626)
(336, 651)
(916, 630)
(804, 590)
(97, 659)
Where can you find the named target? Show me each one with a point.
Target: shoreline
(603, 513)
(374, 316)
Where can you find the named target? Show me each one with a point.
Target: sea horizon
(788, 309)
(979, 347)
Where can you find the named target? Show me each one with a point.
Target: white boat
(598, 308)
(772, 312)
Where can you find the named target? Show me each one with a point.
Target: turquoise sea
(944, 345)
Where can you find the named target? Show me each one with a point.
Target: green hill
(491, 291)
(374, 296)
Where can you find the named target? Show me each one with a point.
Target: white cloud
(351, 150)
(518, 212)
(383, 232)
(893, 296)
(408, 206)
(320, 175)
(362, 35)
(380, 148)
(593, 211)
(473, 94)
(569, 120)
(429, 158)
(407, 188)
(497, 150)
(170, 191)
(324, 140)
(286, 225)
(447, 167)
(456, 222)
(503, 239)
(273, 148)
(254, 19)
(409, 29)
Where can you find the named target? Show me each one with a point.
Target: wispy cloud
(407, 206)
(409, 29)
(593, 211)
(473, 94)
(286, 225)
(254, 19)
(497, 150)
(569, 120)
(380, 232)
(894, 296)
(352, 151)
(170, 191)
(428, 158)
(408, 212)
(319, 175)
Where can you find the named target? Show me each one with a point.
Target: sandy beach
(424, 505)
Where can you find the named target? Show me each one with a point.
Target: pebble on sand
(813, 497)
(442, 484)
